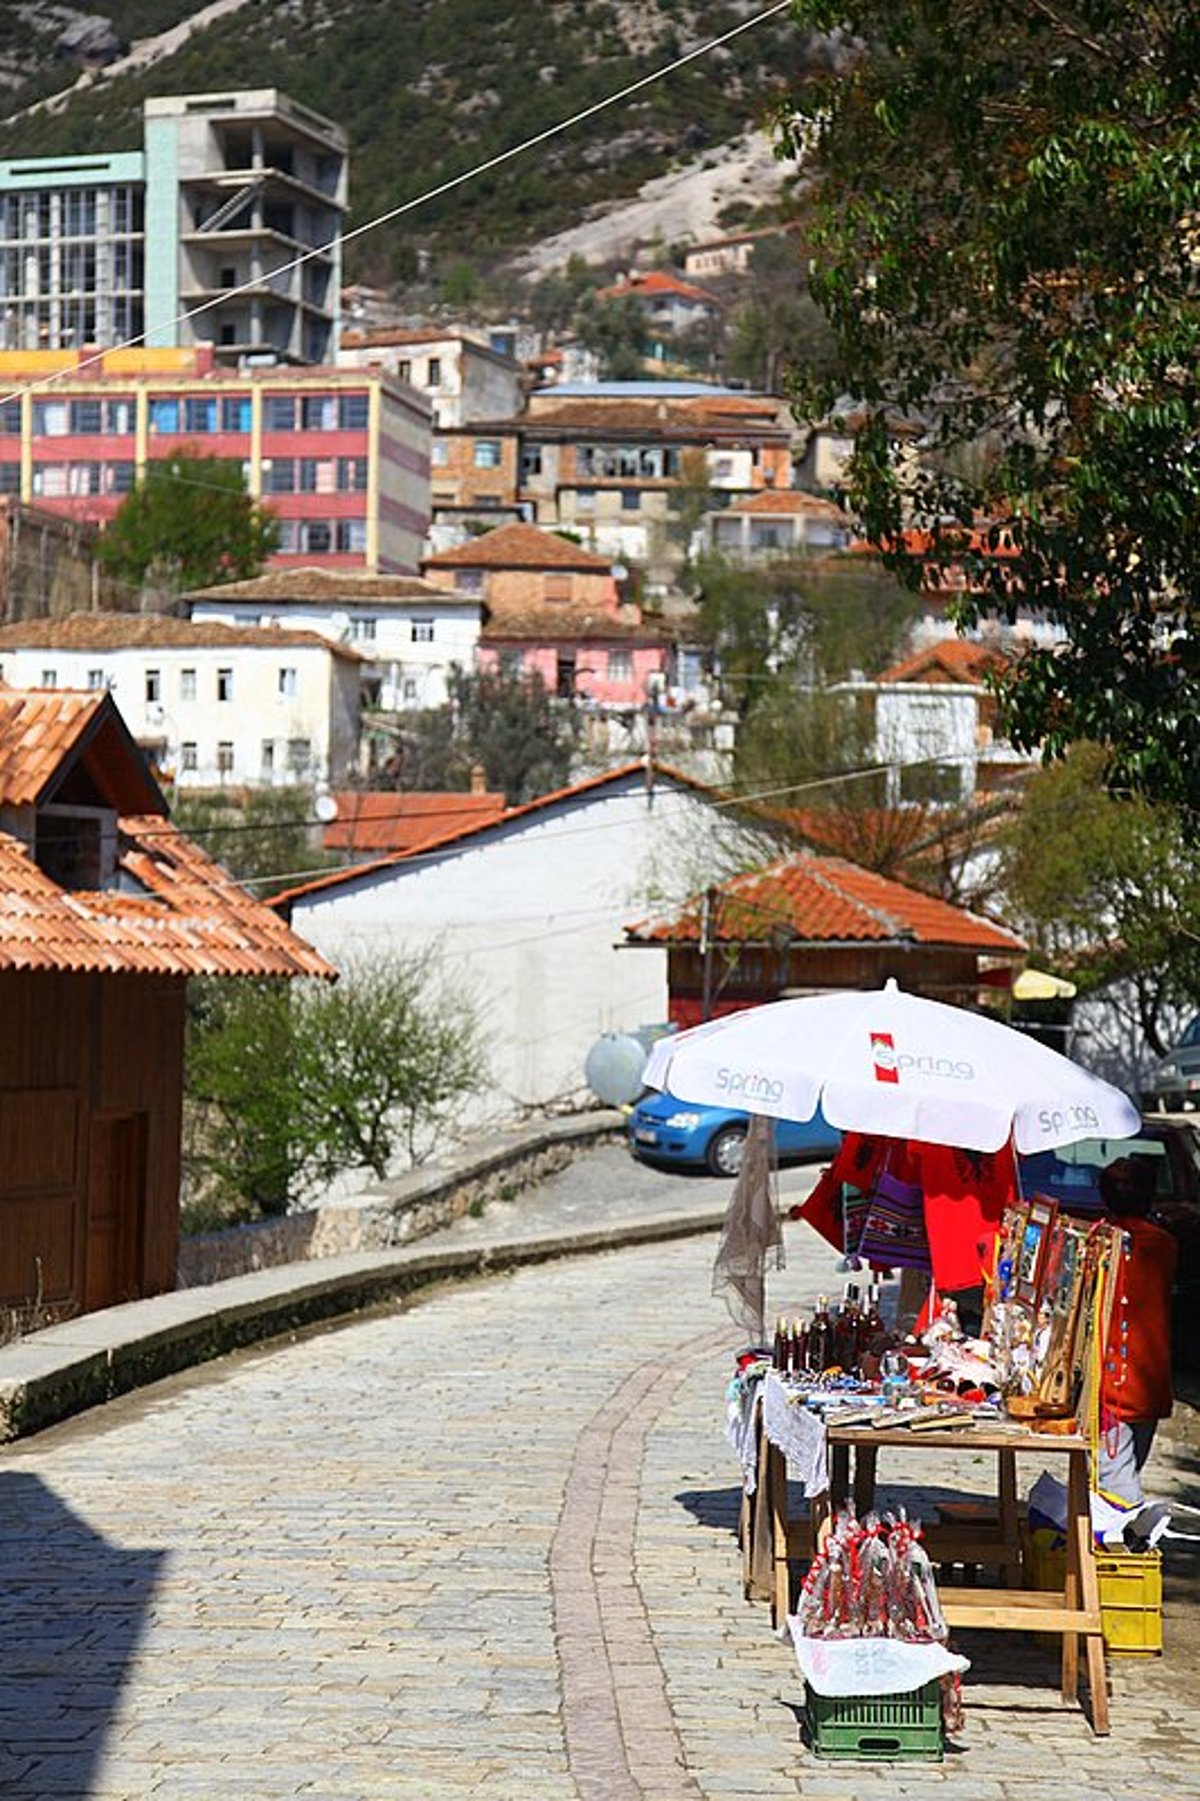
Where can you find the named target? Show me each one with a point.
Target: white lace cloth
(798, 1433)
(741, 1412)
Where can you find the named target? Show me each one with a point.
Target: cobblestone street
(483, 1547)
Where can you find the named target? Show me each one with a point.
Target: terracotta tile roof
(656, 281)
(950, 660)
(825, 900)
(382, 335)
(191, 919)
(553, 623)
(376, 821)
(332, 587)
(578, 790)
(157, 631)
(195, 920)
(789, 500)
(519, 546)
(642, 416)
(44, 733)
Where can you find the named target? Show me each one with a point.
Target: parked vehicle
(1173, 1085)
(664, 1130)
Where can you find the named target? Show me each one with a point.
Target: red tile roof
(950, 660)
(158, 631)
(555, 622)
(825, 900)
(180, 914)
(332, 587)
(519, 546)
(789, 500)
(391, 821)
(656, 281)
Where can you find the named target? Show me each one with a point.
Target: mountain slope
(428, 88)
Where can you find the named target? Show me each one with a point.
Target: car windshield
(1071, 1174)
(1191, 1036)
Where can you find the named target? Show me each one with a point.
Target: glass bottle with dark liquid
(820, 1350)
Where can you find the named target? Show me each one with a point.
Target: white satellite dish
(326, 808)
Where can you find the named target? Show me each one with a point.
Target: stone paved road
(479, 1548)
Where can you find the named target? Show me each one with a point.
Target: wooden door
(115, 1210)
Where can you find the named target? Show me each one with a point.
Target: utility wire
(434, 193)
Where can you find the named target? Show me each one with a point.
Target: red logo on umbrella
(883, 1051)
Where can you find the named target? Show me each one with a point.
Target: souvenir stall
(933, 1102)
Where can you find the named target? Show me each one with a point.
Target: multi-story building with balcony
(225, 227)
(340, 455)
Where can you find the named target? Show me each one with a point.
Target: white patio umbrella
(894, 1064)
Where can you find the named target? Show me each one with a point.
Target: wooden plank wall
(75, 1049)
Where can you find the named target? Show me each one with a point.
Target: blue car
(664, 1130)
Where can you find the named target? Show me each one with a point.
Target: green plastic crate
(886, 1728)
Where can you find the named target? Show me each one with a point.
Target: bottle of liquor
(820, 1353)
(872, 1323)
(799, 1348)
(847, 1329)
(781, 1349)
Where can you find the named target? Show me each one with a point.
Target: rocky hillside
(425, 88)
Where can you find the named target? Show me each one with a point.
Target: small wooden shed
(105, 911)
(809, 923)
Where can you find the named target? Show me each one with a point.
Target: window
(468, 581)
(410, 687)
(187, 684)
(352, 475)
(87, 417)
(225, 757)
(281, 475)
(10, 419)
(512, 662)
(188, 758)
(531, 460)
(439, 453)
(224, 684)
(287, 683)
(585, 500)
(235, 413)
(354, 412)
(51, 418)
(620, 666)
(10, 478)
(404, 369)
(121, 478)
(558, 587)
(200, 415)
(315, 537)
(247, 619)
(164, 414)
(363, 630)
(279, 412)
(49, 678)
(95, 678)
(433, 374)
(631, 500)
(487, 453)
(318, 412)
(351, 535)
(422, 631)
(299, 755)
(267, 760)
(120, 417)
(153, 685)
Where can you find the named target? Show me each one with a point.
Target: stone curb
(84, 1362)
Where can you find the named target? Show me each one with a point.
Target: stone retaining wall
(399, 1211)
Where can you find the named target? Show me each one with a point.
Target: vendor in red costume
(1136, 1393)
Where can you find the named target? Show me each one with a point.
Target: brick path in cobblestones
(481, 1549)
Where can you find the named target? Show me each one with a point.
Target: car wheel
(725, 1150)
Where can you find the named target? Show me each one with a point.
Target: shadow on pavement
(715, 1507)
(72, 1610)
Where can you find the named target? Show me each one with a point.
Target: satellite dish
(326, 808)
(613, 1069)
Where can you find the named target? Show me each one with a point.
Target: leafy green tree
(264, 836)
(296, 1087)
(778, 330)
(505, 722)
(615, 329)
(1107, 888)
(1008, 252)
(187, 524)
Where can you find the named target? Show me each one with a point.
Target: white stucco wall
(527, 918)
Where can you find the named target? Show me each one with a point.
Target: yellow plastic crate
(1130, 1591)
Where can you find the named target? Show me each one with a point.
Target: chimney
(478, 779)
